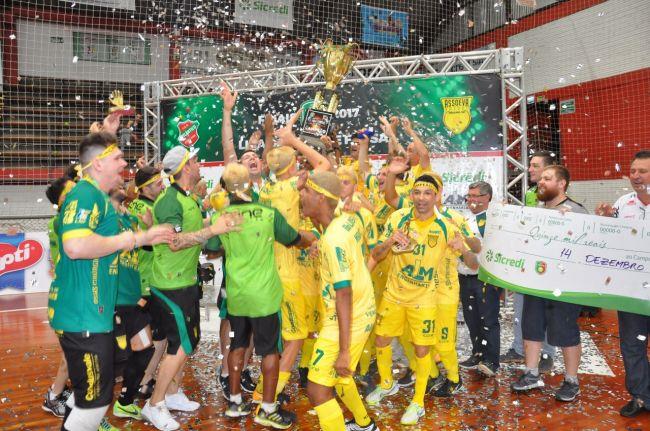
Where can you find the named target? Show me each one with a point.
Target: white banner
(24, 263)
(577, 258)
(112, 4)
(266, 13)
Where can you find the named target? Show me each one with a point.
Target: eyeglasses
(467, 197)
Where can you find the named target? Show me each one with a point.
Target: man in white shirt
(634, 328)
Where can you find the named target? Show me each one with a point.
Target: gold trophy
(117, 100)
(335, 62)
(398, 249)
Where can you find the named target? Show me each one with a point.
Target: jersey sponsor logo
(457, 115)
(17, 258)
(342, 259)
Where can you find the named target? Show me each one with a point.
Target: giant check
(570, 257)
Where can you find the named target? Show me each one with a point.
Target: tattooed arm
(226, 223)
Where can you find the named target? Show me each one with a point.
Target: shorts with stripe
(179, 317)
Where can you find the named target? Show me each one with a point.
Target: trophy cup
(408, 248)
(117, 100)
(335, 62)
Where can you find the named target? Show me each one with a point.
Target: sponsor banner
(112, 4)
(577, 258)
(266, 13)
(384, 26)
(24, 263)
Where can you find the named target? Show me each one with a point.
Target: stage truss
(507, 63)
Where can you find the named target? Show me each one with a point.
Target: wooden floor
(29, 355)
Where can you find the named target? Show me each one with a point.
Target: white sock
(268, 407)
(236, 398)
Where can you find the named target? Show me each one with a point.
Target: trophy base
(316, 124)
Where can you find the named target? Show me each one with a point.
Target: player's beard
(546, 194)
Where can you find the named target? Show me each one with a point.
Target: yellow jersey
(308, 266)
(448, 289)
(412, 278)
(370, 234)
(343, 265)
(283, 195)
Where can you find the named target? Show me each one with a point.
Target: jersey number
(445, 333)
(429, 326)
(419, 250)
(319, 355)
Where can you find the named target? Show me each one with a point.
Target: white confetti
(75, 59)
(641, 337)
(557, 292)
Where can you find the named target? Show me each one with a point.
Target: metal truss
(506, 62)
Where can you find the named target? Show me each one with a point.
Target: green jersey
(128, 285)
(83, 292)
(176, 269)
(52, 228)
(139, 207)
(531, 197)
(253, 285)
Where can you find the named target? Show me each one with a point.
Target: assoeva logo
(501, 259)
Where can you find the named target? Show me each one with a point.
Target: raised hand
(229, 98)
(227, 222)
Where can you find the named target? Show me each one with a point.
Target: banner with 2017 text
(570, 257)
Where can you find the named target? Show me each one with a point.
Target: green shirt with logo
(253, 285)
(176, 269)
(138, 207)
(83, 292)
(128, 287)
(531, 197)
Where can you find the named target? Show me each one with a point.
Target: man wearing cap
(416, 240)
(174, 283)
(149, 185)
(83, 293)
(349, 305)
(282, 193)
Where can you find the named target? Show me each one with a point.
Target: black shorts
(558, 320)
(179, 317)
(129, 320)
(90, 367)
(265, 330)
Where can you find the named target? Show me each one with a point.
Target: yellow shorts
(393, 318)
(323, 358)
(294, 312)
(446, 326)
(379, 278)
(315, 310)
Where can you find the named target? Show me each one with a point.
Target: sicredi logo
(501, 259)
(264, 6)
(27, 254)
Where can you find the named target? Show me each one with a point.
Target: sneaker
(105, 425)
(352, 425)
(511, 357)
(632, 408)
(412, 414)
(545, 364)
(567, 392)
(179, 401)
(434, 384)
(67, 391)
(526, 382)
(159, 416)
(407, 380)
(470, 363)
(224, 384)
(146, 390)
(488, 369)
(127, 411)
(375, 397)
(247, 384)
(55, 406)
(237, 410)
(303, 372)
(278, 419)
(448, 388)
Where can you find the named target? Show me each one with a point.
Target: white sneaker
(412, 414)
(179, 401)
(159, 416)
(378, 394)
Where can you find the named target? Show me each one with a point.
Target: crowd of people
(327, 265)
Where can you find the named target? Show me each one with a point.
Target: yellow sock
(283, 378)
(435, 372)
(422, 370)
(306, 351)
(350, 396)
(366, 355)
(385, 365)
(330, 416)
(409, 350)
(450, 360)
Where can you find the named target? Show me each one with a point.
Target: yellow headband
(286, 168)
(146, 183)
(107, 151)
(186, 157)
(319, 189)
(348, 178)
(426, 184)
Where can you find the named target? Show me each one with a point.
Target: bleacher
(43, 121)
